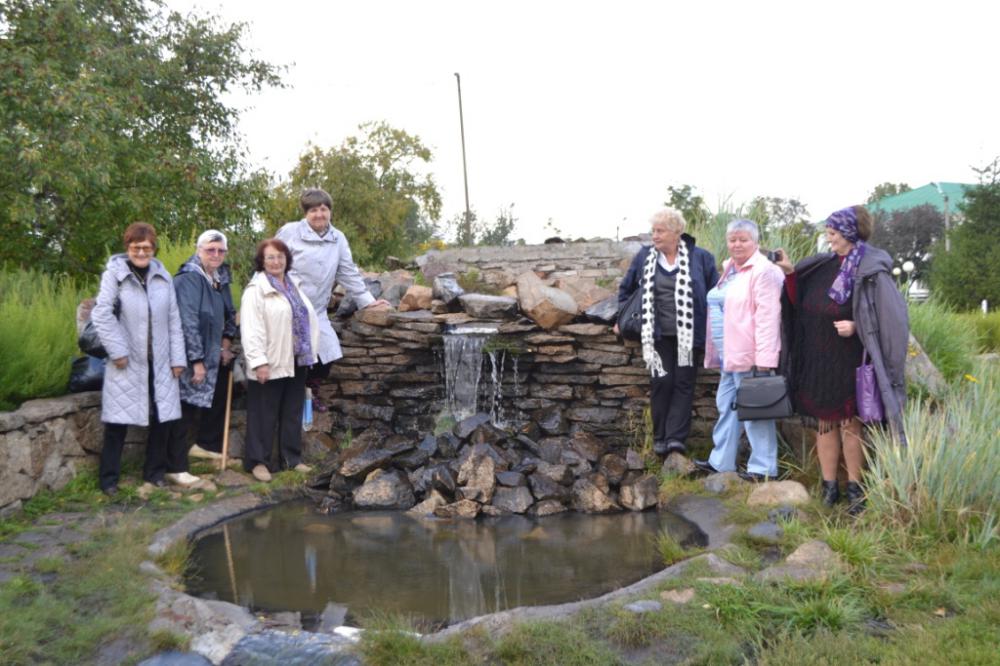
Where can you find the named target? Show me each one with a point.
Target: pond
(294, 558)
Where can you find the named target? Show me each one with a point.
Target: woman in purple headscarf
(839, 305)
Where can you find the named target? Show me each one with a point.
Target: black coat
(704, 276)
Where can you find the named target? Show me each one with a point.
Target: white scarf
(684, 304)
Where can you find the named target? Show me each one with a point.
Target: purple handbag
(867, 395)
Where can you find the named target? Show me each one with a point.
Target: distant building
(945, 197)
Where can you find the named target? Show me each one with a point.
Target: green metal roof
(921, 196)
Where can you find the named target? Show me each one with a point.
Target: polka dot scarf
(684, 304)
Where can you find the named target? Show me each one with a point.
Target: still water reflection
(292, 557)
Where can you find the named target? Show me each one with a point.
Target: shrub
(37, 333)
(943, 484)
(948, 341)
(986, 327)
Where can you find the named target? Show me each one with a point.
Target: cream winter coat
(266, 326)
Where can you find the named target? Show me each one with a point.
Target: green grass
(986, 327)
(948, 341)
(37, 333)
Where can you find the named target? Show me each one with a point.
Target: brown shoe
(261, 474)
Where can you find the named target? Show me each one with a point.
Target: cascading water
(463, 367)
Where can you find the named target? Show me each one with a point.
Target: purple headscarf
(845, 222)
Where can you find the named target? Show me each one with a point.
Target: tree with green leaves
(111, 111)
(970, 272)
(774, 212)
(887, 190)
(692, 206)
(381, 199)
(909, 235)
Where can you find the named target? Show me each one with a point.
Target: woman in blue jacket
(675, 276)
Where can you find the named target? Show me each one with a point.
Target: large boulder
(416, 297)
(446, 288)
(778, 493)
(482, 306)
(385, 490)
(584, 291)
(461, 509)
(603, 312)
(513, 500)
(477, 476)
(588, 497)
(546, 306)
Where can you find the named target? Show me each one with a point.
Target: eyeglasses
(274, 257)
(214, 250)
(140, 249)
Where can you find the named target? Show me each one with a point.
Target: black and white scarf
(683, 302)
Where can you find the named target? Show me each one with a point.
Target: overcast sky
(584, 112)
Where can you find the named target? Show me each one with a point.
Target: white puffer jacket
(266, 326)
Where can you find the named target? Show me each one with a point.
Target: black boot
(660, 447)
(855, 498)
(831, 492)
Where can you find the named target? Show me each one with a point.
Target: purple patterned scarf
(301, 342)
(845, 222)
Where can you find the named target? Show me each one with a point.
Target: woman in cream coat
(280, 334)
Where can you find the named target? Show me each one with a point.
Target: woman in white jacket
(280, 334)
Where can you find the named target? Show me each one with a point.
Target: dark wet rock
(588, 498)
(511, 479)
(530, 430)
(356, 462)
(464, 428)
(633, 459)
(347, 305)
(544, 488)
(613, 467)
(396, 444)
(513, 500)
(333, 504)
(551, 449)
(641, 494)
(174, 658)
(784, 513)
(292, 649)
(577, 463)
(643, 606)
(443, 479)
(526, 466)
(561, 474)
(385, 490)
(420, 479)
(482, 306)
(497, 454)
(446, 288)
(721, 482)
(412, 459)
(588, 446)
(604, 312)
(548, 507)
(460, 509)
(448, 445)
(551, 420)
(766, 531)
(487, 433)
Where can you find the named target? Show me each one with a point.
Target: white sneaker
(182, 479)
(261, 474)
(303, 468)
(198, 452)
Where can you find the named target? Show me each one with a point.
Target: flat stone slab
(204, 517)
(292, 649)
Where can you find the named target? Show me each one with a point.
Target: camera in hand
(774, 256)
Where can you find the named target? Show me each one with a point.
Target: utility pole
(465, 172)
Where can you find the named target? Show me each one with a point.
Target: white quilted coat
(124, 398)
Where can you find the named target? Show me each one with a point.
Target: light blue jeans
(726, 434)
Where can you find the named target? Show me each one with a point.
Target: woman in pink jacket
(744, 326)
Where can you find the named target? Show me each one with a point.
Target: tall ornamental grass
(946, 337)
(945, 483)
(37, 333)
(986, 327)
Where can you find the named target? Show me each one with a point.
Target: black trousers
(671, 395)
(319, 371)
(166, 450)
(208, 423)
(277, 402)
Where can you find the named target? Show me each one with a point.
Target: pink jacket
(751, 324)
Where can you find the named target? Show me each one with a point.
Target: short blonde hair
(671, 218)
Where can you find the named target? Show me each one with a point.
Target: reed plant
(986, 327)
(797, 240)
(943, 484)
(37, 333)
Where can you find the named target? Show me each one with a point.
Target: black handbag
(89, 341)
(762, 397)
(630, 316)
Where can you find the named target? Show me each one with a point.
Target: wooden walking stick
(225, 430)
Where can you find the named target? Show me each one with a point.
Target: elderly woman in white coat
(280, 335)
(323, 259)
(138, 322)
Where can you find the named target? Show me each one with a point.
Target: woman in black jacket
(674, 276)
